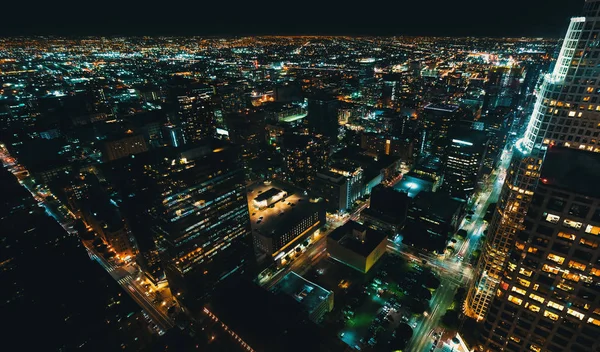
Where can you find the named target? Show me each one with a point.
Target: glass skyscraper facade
(567, 113)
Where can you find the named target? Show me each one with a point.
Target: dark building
(387, 210)
(304, 156)
(438, 120)
(323, 116)
(247, 131)
(45, 270)
(284, 324)
(549, 288)
(195, 115)
(124, 146)
(464, 161)
(192, 200)
(387, 145)
(431, 220)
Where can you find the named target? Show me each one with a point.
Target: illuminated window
(536, 286)
(525, 272)
(550, 269)
(512, 266)
(595, 272)
(534, 308)
(575, 313)
(515, 339)
(565, 287)
(552, 218)
(549, 314)
(576, 265)
(523, 282)
(520, 245)
(515, 300)
(571, 276)
(568, 236)
(532, 250)
(518, 290)
(597, 311)
(594, 230)
(593, 321)
(535, 297)
(573, 224)
(572, 113)
(588, 243)
(535, 348)
(555, 258)
(556, 305)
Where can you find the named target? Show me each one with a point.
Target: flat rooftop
(413, 184)
(438, 204)
(572, 170)
(267, 194)
(284, 214)
(344, 236)
(442, 107)
(308, 294)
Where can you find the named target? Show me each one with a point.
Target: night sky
(547, 18)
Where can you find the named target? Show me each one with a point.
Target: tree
(450, 319)
(403, 334)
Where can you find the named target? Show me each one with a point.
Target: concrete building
(356, 245)
(284, 220)
(341, 185)
(314, 299)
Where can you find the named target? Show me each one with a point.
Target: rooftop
(345, 236)
(438, 204)
(442, 107)
(573, 170)
(308, 294)
(284, 214)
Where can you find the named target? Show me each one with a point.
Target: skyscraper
(196, 118)
(547, 297)
(566, 114)
(194, 204)
(464, 160)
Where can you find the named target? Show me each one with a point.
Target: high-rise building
(547, 299)
(566, 113)
(196, 118)
(437, 120)
(323, 116)
(194, 204)
(341, 185)
(304, 156)
(464, 160)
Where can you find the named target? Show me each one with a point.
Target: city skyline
(330, 193)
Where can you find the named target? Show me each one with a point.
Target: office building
(547, 297)
(284, 220)
(341, 185)
(431, 220)
(387, 210)
(356, 245)
(195, 115)
(124, 146)
(304, 156)
(322, 116)
(464, 161)
(438, 120)
(565, 114)
(193, 202)
(387, 145)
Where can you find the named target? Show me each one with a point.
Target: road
(454, 271)
(65, 218)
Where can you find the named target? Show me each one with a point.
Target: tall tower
(566, 113)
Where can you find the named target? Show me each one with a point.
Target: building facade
(566, 113)
(547, 299)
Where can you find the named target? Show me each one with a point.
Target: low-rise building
(284, 219)
(356, 245)
(314, 299)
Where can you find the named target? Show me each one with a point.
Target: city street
(65, 218)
